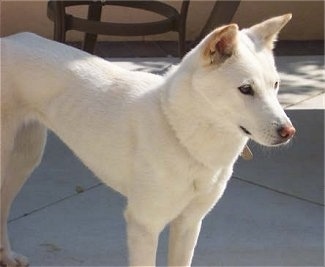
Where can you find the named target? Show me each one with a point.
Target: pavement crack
(303, 100)
(55, 202)
(278, 191)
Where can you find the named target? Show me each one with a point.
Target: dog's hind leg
(21, 151)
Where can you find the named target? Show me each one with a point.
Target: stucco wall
(307, 23)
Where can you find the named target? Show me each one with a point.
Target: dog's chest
(201, 179)
(204, 182)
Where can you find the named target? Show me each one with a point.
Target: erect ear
(266, 32)
(221, 43)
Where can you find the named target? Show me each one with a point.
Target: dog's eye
(276, 85)
(246, 89)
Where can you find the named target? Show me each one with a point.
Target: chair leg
(59, 20)
(182, 29)
(181, 44)
(222, 13)
(94, 13)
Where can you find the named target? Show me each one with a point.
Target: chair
(222, 13)
(92, 26)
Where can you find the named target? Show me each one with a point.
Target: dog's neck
(199, 127)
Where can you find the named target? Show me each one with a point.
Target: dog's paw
(13, 259)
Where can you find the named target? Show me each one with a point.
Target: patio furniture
(222, 13)
(173, 20)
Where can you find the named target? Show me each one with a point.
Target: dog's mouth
(245, 130)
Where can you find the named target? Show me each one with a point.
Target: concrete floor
(272, 213)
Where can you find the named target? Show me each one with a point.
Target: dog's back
(65, 88)
(38, 69)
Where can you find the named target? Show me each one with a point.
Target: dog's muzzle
(286, 132)
(283, 134)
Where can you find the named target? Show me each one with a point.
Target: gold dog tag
(246, 154)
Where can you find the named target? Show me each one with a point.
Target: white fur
(166, 143)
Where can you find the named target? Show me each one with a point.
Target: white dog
(166, 143)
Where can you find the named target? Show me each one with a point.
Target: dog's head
(238, 78)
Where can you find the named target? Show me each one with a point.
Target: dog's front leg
(184, 230)
(142, 241)
(183, 235)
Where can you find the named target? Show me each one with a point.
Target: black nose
(286, 132)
